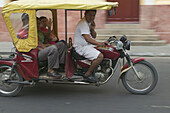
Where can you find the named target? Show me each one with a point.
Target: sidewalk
(147, 51)
(5, 47)
(150, 51)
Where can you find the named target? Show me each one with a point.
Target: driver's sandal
(90, 78)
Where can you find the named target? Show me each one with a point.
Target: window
(47, 14)
(20, 23)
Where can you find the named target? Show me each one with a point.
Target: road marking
(154, 106)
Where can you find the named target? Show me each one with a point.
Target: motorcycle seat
(75, 55)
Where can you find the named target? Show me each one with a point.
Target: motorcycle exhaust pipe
(20, 82)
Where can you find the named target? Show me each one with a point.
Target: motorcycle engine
(103, 71)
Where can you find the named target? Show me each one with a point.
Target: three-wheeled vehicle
(23, 67)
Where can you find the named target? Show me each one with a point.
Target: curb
(150, 54)
(5, 53)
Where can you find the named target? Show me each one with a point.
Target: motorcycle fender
(17, 67)
(126, 67)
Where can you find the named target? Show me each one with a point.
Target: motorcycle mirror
(127, 46)
(123, 38)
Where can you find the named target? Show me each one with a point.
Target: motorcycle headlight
(119, 45)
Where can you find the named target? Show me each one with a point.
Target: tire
(147, 82)
(9, 89)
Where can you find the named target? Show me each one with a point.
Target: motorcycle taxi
(23, 67)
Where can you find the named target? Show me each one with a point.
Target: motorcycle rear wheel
(146, 80)
(9, 89)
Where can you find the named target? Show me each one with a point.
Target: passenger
(23, 32)
(84, 43)
(55, 54)
(51, 38)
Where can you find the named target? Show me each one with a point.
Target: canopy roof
(59, 4)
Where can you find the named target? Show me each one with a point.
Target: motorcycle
(138, 75)
(23, 68)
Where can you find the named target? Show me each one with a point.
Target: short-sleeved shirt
(41, 36)
(44, 30)
(81, 28)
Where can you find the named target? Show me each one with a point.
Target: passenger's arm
(42, 45)
(47, 34)
(91, 41)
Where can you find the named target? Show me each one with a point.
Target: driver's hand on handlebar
(103, 43)
(106, 42)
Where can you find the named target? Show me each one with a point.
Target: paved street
(109, 98)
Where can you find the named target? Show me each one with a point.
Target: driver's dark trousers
(55, 54)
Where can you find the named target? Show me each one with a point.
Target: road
(109, 98)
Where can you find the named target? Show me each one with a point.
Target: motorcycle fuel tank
(109, 52)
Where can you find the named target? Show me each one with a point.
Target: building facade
(154, 14)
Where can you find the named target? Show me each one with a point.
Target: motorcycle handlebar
(123, 43)
(112, 39)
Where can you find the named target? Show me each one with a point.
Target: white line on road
(154, 106)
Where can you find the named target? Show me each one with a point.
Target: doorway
(127, 11)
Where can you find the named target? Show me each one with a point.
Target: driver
(84, 43)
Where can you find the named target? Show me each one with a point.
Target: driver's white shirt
(81, 28)
(81, 46)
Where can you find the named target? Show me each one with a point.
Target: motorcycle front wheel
(9, 89)
(141, 79)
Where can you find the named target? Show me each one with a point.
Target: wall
(162, 2)
(156, 16)
(4, 34)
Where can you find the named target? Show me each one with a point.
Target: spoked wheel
(141, 79)
(9, 89)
